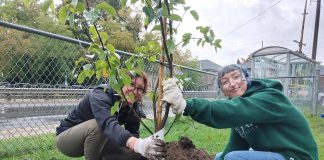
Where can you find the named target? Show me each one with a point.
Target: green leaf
(203, 30)
(152, 58)
(81, 77)
(149, 12)
(217, 43)
(80, 7)
(46, 4)
(107, 7)
(94, 47)
(114, 60)
(211, 36)
(114, 63)
(186, 38)
(140, 64)
(129, 62)
(180, 1)
(125, 78)
(98, 74)
(186, 8)
(175, 17)
(113, 83)
(101, 64)
(93, 33)
(194, 15)
(71, 20)
(83, 74)
(81, 59)
(120, 84)
(104, 37)
(74, 3)
(102, 55)
(89, 73)
(171, 45)
(165, 10)
(153, 45)
(114, 108)
(63, 13)
(147, 2)
(156, 28)
(92, 30)
(91, 16)
(111, 48)
(152, 95)
(137, 71)
(199, 41)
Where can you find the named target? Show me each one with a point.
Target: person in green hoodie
(264, 123)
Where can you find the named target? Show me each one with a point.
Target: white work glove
(173, 95)
(150, 148)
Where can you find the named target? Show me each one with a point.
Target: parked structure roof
(207, 65)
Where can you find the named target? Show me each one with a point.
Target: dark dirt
(184, 149)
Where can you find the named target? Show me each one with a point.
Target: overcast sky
(234, 22)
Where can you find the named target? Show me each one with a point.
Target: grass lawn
(213, 140)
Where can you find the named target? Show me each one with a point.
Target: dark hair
(231, 68)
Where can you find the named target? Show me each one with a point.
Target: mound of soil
(184, 149)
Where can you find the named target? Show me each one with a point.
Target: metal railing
(40, 93)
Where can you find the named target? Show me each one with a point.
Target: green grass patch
(317, 125)
(31, 148)
(30, 144)
(212, 140)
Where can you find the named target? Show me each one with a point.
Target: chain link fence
(37, 88)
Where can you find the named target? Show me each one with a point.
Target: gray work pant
(86, 139)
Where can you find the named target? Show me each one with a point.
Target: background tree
(28, 58)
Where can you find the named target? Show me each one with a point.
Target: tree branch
(117, 75)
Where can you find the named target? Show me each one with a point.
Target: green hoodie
(263, 119)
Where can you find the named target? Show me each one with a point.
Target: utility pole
(317, 20)
(300, 43)
(262, 44)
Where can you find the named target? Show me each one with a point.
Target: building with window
(208, 82)
(298, 73)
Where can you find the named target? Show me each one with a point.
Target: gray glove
(172, 94)
(150, 148)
